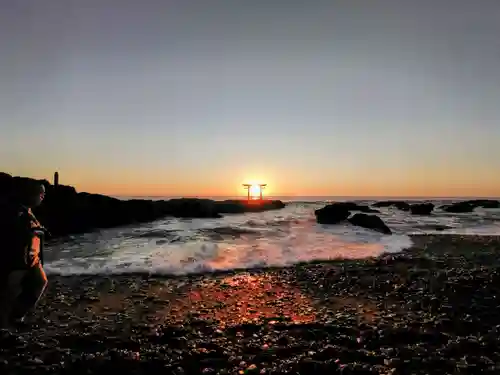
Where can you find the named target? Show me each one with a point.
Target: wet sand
(433, 309)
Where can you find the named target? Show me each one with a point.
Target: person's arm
(15, 239)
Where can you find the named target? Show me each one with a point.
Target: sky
(314, 98)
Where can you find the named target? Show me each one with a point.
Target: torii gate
(249, 186)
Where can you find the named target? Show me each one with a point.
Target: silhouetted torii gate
(249, 186)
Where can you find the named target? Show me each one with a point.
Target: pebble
(430, 311)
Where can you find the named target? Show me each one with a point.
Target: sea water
(273, 238)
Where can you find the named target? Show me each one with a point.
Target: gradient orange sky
(315, 98)
(284, 180)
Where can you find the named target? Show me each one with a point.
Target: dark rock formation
(191, 208)
(353, 206)
(486, 203)
(332, 214)
(240, 206)
(401, 205)
(460, 207)
(369, 210)
(470, 205)
(421, 208)
(337, 212)
(65, 211)
(370, 222)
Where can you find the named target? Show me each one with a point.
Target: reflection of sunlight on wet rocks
(227, 301)
(420, 312)
(243, 299)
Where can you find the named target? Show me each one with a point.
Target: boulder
(192, 208)
(470, 205)
(369, 210)
(353, 206)
(231, 207)
(486, 203)
(276, 204)
(458, 208)
(332, 214)
(421, 208)
(370, 222)
(240, 206)
(401, 205)
(65, 211)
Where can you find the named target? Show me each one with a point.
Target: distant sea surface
(294, 198)
(273, 238)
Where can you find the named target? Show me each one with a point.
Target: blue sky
(188, 97)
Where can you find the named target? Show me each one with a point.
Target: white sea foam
(300, 245)
(275, 238)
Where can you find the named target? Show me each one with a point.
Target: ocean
(274, 238)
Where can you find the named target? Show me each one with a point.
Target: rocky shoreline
(361, 215)
(66, 211)
(432, 309)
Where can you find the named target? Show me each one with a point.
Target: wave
(285, 247)
(266, 239)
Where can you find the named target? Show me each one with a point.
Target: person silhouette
(23, 280)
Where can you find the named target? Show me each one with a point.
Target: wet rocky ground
(431, 310)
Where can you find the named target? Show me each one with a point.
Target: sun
(255, 190)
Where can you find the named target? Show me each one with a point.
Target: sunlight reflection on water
(273, 238)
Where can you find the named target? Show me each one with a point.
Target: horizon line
(315, 196)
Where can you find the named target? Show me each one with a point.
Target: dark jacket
(19, 244)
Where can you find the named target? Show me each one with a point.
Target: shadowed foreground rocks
(430, 310)
(65, 211)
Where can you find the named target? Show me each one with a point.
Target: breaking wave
(268, 239)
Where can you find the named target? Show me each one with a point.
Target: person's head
(30, 192)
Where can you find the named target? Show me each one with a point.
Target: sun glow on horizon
(254, 189)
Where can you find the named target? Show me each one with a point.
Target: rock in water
(400, 205)
(370, 222)
(332, 213)
(487, 203)
(470, 205)
(456, 208)
(421, 208)
(353, 206)
(240, 206)
(193, 208)
(65, 211)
